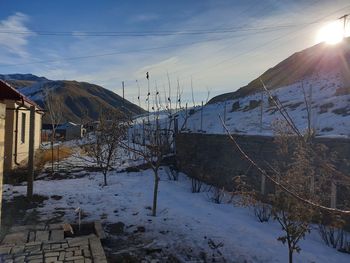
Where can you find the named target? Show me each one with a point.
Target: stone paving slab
(46, 245)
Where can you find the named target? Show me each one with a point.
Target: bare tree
(103, 143)
(157, 144)
(53, 104)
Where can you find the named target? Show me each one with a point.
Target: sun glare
(331, 33)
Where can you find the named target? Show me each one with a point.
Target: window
(23, 132)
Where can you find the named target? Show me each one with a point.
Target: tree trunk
(155, 193)
(58, 158)
(105, 178)
(52, 155)
(290, 256)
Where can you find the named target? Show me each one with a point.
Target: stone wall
(216, 159)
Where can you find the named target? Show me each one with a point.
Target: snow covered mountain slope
(80, 99)
(330, 111)
(322, 71)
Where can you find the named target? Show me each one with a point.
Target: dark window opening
(23, 132)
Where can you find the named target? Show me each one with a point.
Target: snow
(326, 120)
(185, 220)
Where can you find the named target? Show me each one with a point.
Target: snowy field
(188, 225)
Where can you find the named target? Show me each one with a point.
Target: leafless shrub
(173, 174)
(235, 106)
(217, 195)
(335, 237)
(262, 211)
(333, 231)
(196, 185)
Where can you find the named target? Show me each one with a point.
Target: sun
(331, 33)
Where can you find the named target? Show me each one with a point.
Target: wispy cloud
(143, 18)
(14, 34)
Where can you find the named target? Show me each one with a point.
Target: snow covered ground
(330, 114)
(187, 224)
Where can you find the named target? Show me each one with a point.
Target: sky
(218, 46)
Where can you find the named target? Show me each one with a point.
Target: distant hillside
(312, 62)
(80, 99)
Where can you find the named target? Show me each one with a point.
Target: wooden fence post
(333, 194)
(30, 176)
(224, 115)
(263, 184)
(312, 184)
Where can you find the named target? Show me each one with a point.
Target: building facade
(17, 126)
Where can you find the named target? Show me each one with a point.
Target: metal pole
(186, 116)
(344, 17)
(224, 114)
(202, 117)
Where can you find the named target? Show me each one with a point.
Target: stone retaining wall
(216, 159)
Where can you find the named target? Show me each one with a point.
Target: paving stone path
(46, 244)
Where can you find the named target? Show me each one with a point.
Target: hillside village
(257, 174)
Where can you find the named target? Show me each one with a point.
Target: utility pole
(30, 176)
(261, 111)
(224, 114)
(344, 18)
(123, 92)
(202, 118)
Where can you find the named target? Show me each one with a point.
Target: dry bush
(333, 230)
(196, 185)
(217, 195)
(262, 211)
(44, 156)
(172, 173)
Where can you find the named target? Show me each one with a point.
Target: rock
(116, 229)
(56, 197)
(141, 229)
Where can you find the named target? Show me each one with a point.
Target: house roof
(7, 92)
(67, 125)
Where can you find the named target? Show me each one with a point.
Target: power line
(242, 28)
(265, 44)
(133, 51)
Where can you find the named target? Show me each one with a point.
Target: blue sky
(258, 35)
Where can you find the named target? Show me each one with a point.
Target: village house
(65, 131)
(15, 126)
(71, 131)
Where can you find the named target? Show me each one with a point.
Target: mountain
(320, 74)
(80, 99)
(316, 61)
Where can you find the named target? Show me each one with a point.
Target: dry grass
(45, 155)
